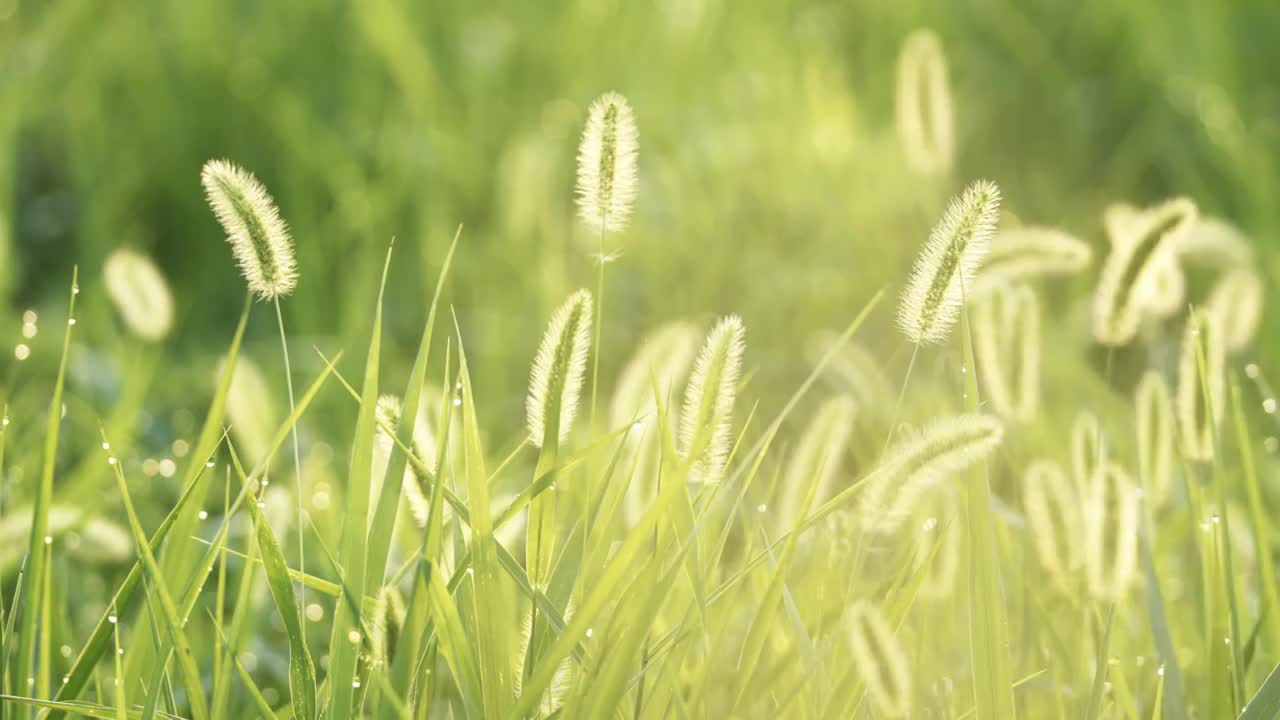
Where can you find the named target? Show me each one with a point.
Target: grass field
(592, 359)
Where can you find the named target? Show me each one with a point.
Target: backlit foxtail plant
(1111, 516)
(258, 236)
(880, 661)
(924, 115)
(935, 292)
(922, 460)
(553, 698)
(818, 456)
(707, 418)
(1237, 300)
(1141, 273)
(1025, 253)
(140, 293)
(1054, 521)
(606, 188)
(1198, 422)
(942, 515)
(1006, 336)
(414, 487)
(250, 411)
(853, 369)
(263, 248)
(1088, 450)
(555, 383)
(666, 355)
(1153, 406)
(385, 623)
(1213, 241)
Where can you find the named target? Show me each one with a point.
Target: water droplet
(111, 619)
(209, 464)
(1269, 406)
(65, 650)
(590, 632)
(22, 352)
(353, 636)
(111, 460)
(120, 651)
(355, 683)
(762, 508)
(1160, 670)
(106, 446)
(471, 571)
(203, 515)
(5, 421)
(71, 321)
(1251, 370)
(315, 613)
(457, 402)
(48, 539)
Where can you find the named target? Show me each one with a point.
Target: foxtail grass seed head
(945, 268)
(1153, 406)
(1216, 242)
(1054, 521)
(258, 235)
(561, 682)
(924, 116)
(1111, 518)
(920, 461)
(556, 379)
(1198, 421)
(386, 622)
(854, 370)
(942, 516)
(250, 410)
(1020, 254)
(1088, 450)
(1237, 300)
(607, 164)
(707, 419)
(1141, 274)
(1006, 334)
(140, 293)
(665, 355)
(817, 457)
(880, 661)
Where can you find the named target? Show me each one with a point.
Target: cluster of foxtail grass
(1016, 529)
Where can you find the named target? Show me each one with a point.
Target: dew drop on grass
(1251, 371)
(1269, 406)
(71, 321)
(203, 515)
(762, 507)
(355, 683)
(112, 619)
(590, 632)
(106, 446)
(48, 539)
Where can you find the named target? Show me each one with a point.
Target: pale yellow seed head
(555, 382)
(140, 293)
(258, 236)
(607, 174)
(706, 422)
(926, 129)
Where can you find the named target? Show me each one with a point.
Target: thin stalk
(297, 461)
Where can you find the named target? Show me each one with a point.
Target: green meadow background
(772, 185)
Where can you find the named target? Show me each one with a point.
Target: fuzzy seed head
(1213, 241)
(880, 660)
(666, 354)
(1154, 409)
(817, 456)
(945, 268)
(140, 293)
(920, 461)
(556, 379)
(1088, 450)
(607, 164)
(1054, 520)
(1199, 420)
(1112, 512)
(259, 237)
(707, 419)
(1025, 253)
(853, 369)
(1006, 335)
(1141, 275)
(924, 116)
(1237, 300)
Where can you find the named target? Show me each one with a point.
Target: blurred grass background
(772, 184)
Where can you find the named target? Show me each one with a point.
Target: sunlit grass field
(590, 359)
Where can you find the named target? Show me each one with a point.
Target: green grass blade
(455, 646)
(351, 549)
(988, 622)
(174, 626)
(1265, 704)
(32, 590)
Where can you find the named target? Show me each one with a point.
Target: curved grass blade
(44, 498)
